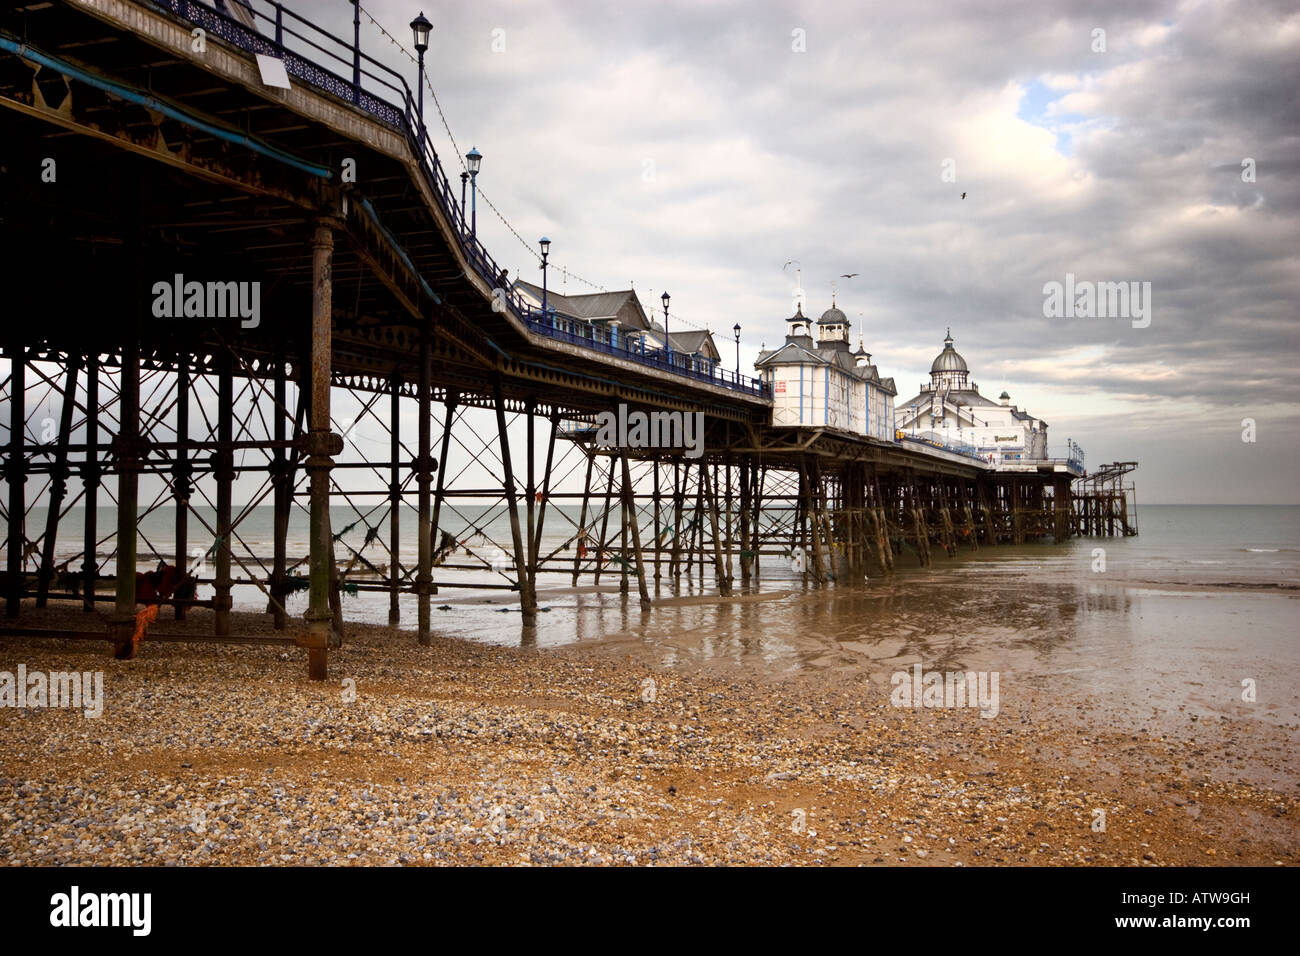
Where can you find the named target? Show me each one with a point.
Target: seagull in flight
(963, 195)
(848, 275)
(789, 262)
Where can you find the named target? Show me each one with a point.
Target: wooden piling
(629, 508)
(580, 541)
(708, 492)
(527, 601)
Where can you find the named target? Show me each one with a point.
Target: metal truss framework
(92, 429)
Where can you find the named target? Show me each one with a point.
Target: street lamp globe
(420, 29)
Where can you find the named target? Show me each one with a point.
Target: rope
(460, 158)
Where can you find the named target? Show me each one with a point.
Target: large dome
(949, 360)
(833, 316)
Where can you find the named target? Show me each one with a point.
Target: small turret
(833, 328)
(798, 326)
(862, 358)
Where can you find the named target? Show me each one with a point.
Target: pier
(149, 180)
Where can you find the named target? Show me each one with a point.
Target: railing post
(279, 24)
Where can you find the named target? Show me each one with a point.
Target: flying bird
(790, 262)
(963, 195)
(848, 275)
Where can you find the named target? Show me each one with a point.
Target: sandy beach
(470, 754)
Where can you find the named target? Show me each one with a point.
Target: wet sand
(468, 753)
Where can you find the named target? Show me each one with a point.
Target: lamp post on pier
(473, 160)
(464, 178)
(420, 29)
(545, 245)
(736, 328)
(356, 50)
(668, 349)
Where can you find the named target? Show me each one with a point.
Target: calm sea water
(1202, 599)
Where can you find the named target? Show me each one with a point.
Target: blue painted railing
(935, 440)
(631, 346)
(378, 90)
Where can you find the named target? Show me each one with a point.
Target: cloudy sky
(699, 146)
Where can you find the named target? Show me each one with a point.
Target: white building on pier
(824, 384)
(951, 411)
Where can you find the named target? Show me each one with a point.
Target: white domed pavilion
(951, 410)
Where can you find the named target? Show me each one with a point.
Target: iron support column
(321, 444)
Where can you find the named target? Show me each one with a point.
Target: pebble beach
(470, 754)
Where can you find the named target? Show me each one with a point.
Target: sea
(1198, 611)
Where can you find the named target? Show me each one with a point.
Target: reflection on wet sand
(1042, 617)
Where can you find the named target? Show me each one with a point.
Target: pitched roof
(958, 396)
(688, 342)
(800, 350)
(593, 307)
(794, 352)
(694, 340)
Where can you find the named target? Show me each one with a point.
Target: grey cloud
(833, 157)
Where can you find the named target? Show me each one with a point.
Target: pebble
(457, 753)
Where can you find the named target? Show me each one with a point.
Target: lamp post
(420, 29)
(736, 328)
(668, 349)
(356, 50)
(545, 245)
(464, 178)
(473, 160)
